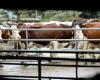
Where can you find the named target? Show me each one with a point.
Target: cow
(45, 34)
(88, 34)
(6, 33)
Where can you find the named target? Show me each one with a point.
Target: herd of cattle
(18, 32)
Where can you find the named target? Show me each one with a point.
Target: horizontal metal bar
(18, 76)
(47, 58)
(37, 77)
(52, 39)
(51, 77)
(55, 51)
(55, 29)
(54, 65)
(34, 58)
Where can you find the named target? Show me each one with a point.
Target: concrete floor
(54, 71)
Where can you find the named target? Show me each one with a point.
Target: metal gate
(39, 60)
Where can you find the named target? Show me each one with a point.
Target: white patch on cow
(62, 45)
(45, 23)
(0, 35)
(15, 35)
(67, 23)
(15, 32)
(78, 35)
(57, 23)
(2, 27)
(30, 44)
(56, 46)
(29, 23)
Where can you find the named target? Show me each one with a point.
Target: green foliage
(60, 15)
(48, 15)
(90, 14)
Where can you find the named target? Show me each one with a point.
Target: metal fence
(40, 59)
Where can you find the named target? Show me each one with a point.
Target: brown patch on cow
(21, 25)
(48, 34)
(6, 34)
(92, 34)
(37, 26)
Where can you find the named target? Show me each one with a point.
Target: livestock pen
(37, 66)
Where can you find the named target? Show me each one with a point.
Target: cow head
(83, 25)
(6, 35)
(21, 25)
(79, 22)
(10, 34)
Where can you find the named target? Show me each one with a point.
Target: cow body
(39, 34)
(6, 33)
(92, 34)
(89, 34)
(45, 34)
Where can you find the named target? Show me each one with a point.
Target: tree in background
(60, 15)
(48, 15)
(90, 14)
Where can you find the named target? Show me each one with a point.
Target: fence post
(39, 69)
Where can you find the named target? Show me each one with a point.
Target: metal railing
(40, 59)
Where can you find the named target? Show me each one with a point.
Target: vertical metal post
(26, 38)
(76, 65)
(76, 57)
(39, 69)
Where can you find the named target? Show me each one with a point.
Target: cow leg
(17, 46)
(26, 45)
(80, 46)
(56, 45)
(85, 48)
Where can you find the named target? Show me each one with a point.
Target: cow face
(6, 34)
(15, 34)
(10, 34)
(21, 26)
(79, 22)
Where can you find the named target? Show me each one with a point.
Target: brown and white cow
(6, 33)
(45, 34)
(39, 34)
(88, 34)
